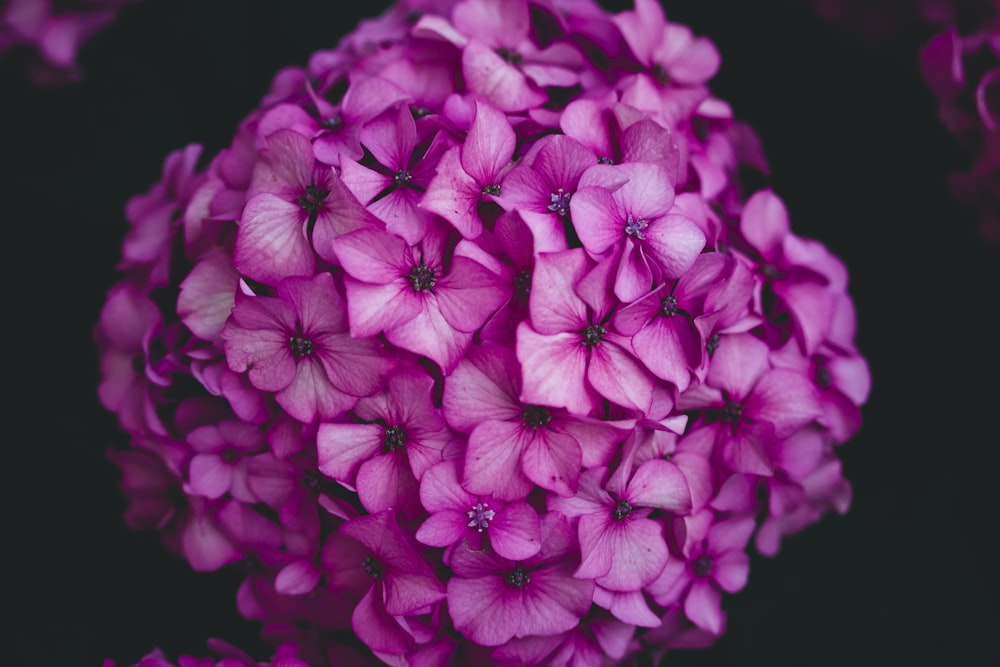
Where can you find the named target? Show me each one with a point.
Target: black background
(908, 576)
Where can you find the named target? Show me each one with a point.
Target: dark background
(908, 576)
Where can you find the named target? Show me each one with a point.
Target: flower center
(422, 278)
(593, 335)
(480, 516)
(522, 284)
(491, 190)
(623, 510)
(634, 227)
(402, 178)
(511, 56)
(332, 123)
(393, 438)
(703, 566)
(312, 199)
(418, 111)
(713, 344)
(519, 578)
(604, 159)
(733, 411)
(560, 202)
(535, 416)
(372, 567)
(300, 347)
(668, 306)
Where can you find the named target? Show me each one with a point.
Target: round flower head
(473, 348)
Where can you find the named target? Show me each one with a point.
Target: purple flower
(622, 549)
(474, 522)
(472, 173)
(748, 405)
(568, 353)
(634, 222)
(493, 599)
(370, 556)
(425, 299)
(399, 434)
(297, 345)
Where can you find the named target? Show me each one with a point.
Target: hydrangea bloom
(47, 34)
(471, 347)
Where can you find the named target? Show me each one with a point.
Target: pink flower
(297, 345)
(400, 434)
(634, 223)
(493, 599)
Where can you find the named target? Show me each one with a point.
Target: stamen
(593, 335)
(634, 228)
(703, 566)
(623, 510)
(422, 278)
(519, 578)
(402, 177)
(313, 198)
(560, 202)
(668, 306)
(480, 516)
(522, 284)
(393, 438)
(372, 567)
(300, 347)
(535, 416)
(491, 190)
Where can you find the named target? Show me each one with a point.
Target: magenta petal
(553, 602)
(484, 386)
(731, 570)
(386, 482)
(737, 364)
(493, 461)
(375, 308)
(785, 398)
(210, 476)
(443, 528)
(487, 74)
(703, 605)
(410, 593)
(596, 219)
(454, 195)
(675, 242)
(659, 483)
(554, 370)
(616, 374)
(343, 447)
(747, 451)
(271, 243)
(297, 578)
(515, 532)
(764, 223)
(639, 554)
(376, 628)
(671, 348)
(486, 610)
(552, 461)
(430, 334)
(555, 308)
(627, 606)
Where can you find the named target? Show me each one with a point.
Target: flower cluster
(473, 346)
(962, 70)
(47, 34)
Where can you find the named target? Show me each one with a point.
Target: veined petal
(271, 241)
(659, 483)
(554, 369)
